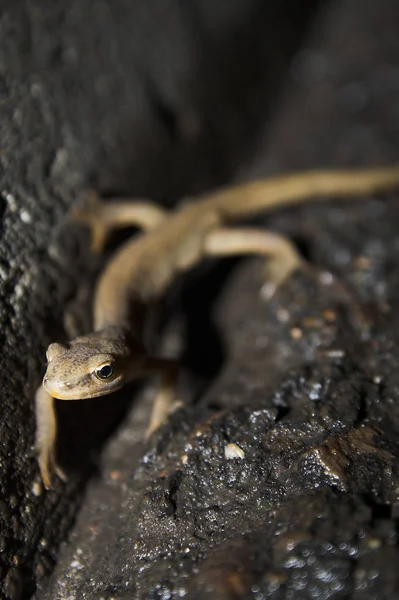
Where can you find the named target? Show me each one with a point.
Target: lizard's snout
(59, 389)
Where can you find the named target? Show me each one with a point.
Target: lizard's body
(143, 268)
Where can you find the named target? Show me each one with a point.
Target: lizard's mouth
(64, 390)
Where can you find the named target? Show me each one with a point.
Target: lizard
(139, 272)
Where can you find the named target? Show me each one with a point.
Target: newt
(138, 273)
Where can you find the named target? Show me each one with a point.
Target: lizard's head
(87, 367)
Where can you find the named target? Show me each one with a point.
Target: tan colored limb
(283, 258)
(106, 217)
(166, 398)
(46, 432)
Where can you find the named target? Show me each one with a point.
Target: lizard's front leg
(46, 432)
(166, 398)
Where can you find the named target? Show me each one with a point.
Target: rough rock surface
(282, 482)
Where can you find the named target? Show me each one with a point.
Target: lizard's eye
(105, 371)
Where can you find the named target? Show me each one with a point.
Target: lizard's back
(143, 267)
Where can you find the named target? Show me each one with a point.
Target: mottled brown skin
(142, 269)
(80, 359)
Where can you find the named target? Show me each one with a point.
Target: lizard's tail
(288, 190)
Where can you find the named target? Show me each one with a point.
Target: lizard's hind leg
(282, 260)
(282, 256)
(104, 218)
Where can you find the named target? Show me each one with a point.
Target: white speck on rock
(10, 199)
(36, 488)
(268, 290)
(25, 216)
(233, 451)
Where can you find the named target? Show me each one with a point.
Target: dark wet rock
(282, 482)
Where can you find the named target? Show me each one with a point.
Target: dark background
(165, 100)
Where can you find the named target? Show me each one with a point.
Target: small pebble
(37, 488)
(296, 333)
(233, 451)
(330, 315)
(115, 475)
(283, 315)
